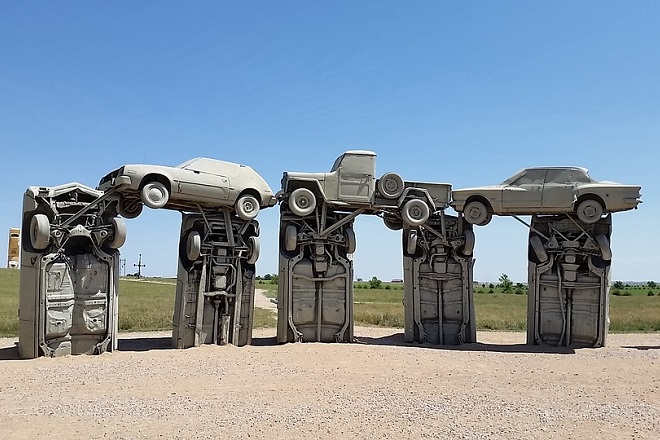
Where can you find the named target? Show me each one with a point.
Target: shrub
(650, 293)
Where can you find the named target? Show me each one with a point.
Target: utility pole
(122, 266)
(139, 265)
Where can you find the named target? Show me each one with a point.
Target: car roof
(557, 168)
(213, 166)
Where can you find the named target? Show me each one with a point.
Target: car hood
(478, 190)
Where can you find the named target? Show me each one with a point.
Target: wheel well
(252, 192)
(584, 197)
(313, 186)
(420, 194)
(481, 199)
(156, 178)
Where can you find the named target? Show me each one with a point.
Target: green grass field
(149, 305)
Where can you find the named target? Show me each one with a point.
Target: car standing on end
(197, 183)
(546, 190)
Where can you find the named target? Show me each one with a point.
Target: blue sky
(459, 92)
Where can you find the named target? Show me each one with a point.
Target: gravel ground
(381, 387)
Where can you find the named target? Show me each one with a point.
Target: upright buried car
(548, 190)
(197, 183)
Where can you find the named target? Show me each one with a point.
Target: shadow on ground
(9, 353)
(144, 344)
(396, 339)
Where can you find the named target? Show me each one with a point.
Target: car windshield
(526, 177)
(204, 165)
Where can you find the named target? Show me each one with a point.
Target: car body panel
(549, 190)
(352, 184)
(201, 181)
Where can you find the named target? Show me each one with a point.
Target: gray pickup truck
(352, 185)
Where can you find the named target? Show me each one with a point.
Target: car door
(200, 181)
(558, 190)
(356, 178)
(525, 194)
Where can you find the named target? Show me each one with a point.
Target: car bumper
(121, 181)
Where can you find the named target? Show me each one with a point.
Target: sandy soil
(380, 387)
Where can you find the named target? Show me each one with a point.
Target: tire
(254, 249)
(247, 207)
(537, 248)
(129, 208)
(40, 232)
(393, 223)
(290, 238)
(302, 202)
(351, 243)
(468, 247)
(390, 186)
(415, 212)
(604, 245)
(589, 211)
(155, 195)
(410, 242)
(476, 213)
(193, 246)
(118, 233)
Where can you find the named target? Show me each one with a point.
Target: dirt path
(262, 301)
(379, 388)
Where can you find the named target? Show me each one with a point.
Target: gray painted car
(546, 190)
(352, 185)
(198, 183)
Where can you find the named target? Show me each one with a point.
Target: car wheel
(476, 213)
(118, 233)
(468, 247)
(390, 185)
(589, 211)
(155, 195)
(254, 249)
(415, 212)
(351, 243)
(302, 202)
(392, 222)
(193, 246)
(538, 249)
(40, 232)
(604, 245)
(290, 238)
(128, 208)
(247, 207)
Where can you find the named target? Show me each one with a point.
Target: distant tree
(505, 283)
(267, 277)
(651, 285)
(650, 293)
(375, 283)
(491, 286)
(618, 285)
(274, 279)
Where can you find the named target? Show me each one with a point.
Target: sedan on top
(195, 184)
(548, 190)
